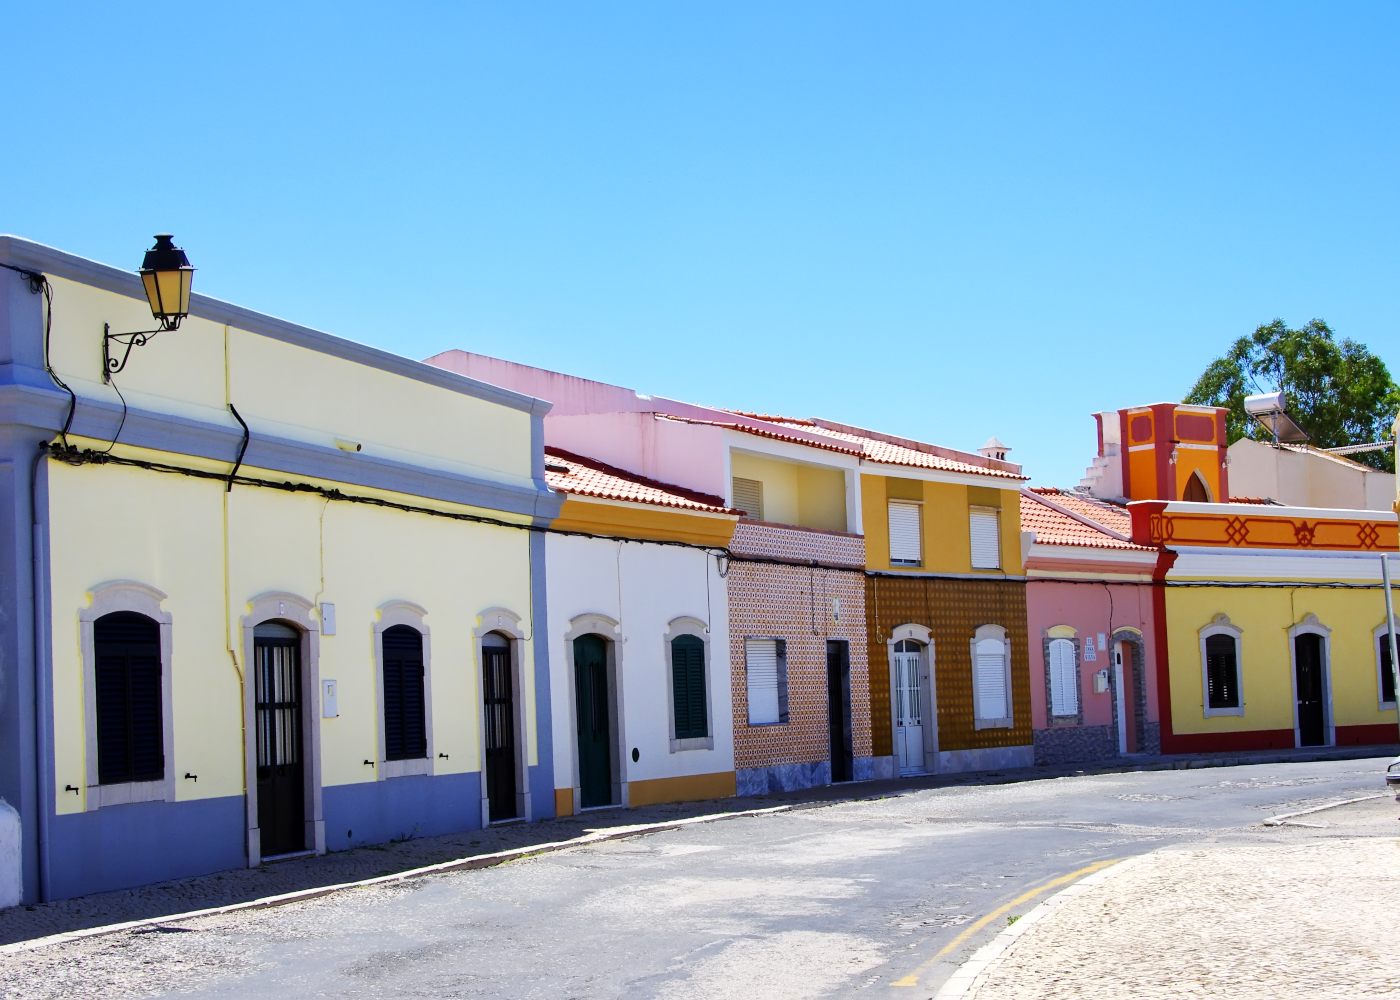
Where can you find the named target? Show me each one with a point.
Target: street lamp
(166, 275)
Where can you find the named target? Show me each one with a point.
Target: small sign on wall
(330, 704)
(1091, 651)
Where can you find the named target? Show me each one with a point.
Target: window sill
(992, 724)
(761, 725)
(127, 793)
(1064, 720)
(404, 768)
(1211, 713)
(1387, 706)
(905, 564)
(694, 743)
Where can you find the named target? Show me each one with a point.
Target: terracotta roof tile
(570, 473)
(772, 432)
(1055, 527)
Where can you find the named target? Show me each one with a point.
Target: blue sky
(941, 220)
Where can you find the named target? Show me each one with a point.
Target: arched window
(1220, 668)
(405, 703)
(1196, 491)
(991, 678)
(1063, 664)
(688, 687)
(128, 688)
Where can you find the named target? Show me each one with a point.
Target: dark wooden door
(838, 708)
(499, 697)
(594, 721)
(1312, 716)
(280, 754)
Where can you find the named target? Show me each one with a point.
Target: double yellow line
(913, 978)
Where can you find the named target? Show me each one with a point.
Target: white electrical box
(1103, 642)
(1100, 681)
(328, 619)
(330, 704)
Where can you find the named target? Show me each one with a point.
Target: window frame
(1221, 625)
(918, 508)
(694, 627)
(390, 615)
(985, 633)
(1380, 638)
(780, 651)
(734, 482)
(994, 513)
(142, 599)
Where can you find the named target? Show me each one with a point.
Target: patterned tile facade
(797, 603)
(952, 609)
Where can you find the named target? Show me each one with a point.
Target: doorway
(277, 712)
(908, 706)
(498, 706)
(593, 714)
(1310, 687)
(838, 708)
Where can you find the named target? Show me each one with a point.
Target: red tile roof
(1080, 520)
(773, 432)
(885, 450)
(570, 473)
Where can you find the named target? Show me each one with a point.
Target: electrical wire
(39, 284)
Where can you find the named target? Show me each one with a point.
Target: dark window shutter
(127, 675)
(782, 680)
(1222, 674)
(405, 707)
(688, 687)
(1387, 673)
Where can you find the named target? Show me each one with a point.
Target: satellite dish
(1270, 409)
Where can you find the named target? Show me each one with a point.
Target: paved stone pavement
(1310, 919)
(245, 885)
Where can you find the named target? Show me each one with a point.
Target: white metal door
(909, 714)
(1118, 697)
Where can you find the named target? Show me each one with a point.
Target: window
(991, 677)
(405, 701)
(128, 689)
(1386, 681)
(748, 497)
(1220, 668)
(688, 688)
(906, 534)
(985, 530)
(1064, 678)
(765, 662)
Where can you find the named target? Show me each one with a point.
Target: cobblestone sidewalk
(1309, 920)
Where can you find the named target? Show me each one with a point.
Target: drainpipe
(43, 766)
(1390, 627)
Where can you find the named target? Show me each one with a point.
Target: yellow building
(274, 582)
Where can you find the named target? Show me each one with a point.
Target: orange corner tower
(1164, 451)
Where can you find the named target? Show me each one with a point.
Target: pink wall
(689, 455)
(1089, 608)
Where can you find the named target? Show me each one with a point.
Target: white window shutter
(985, 528)
(761, 662)
(1064, 693)
(990, 664)
(906, 536)
(748, 497)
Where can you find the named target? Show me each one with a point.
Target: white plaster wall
(10, 860)
(643, 586)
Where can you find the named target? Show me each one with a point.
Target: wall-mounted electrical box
(330, 703)
(1101, 681)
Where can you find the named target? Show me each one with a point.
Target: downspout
(43, 766)
(229, 642)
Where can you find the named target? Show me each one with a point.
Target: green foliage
(1339, 393)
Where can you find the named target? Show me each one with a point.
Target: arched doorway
(1310, 686)
(1196, 491)
(498, 697)
(908, 706)
(279, 733)
(594, 718)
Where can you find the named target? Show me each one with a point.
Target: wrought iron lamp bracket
(137, 338)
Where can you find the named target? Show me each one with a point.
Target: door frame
(506, 623)
(300, 614)
(1135, 684)
(1311, 626)
(610, 631)
(928, 697)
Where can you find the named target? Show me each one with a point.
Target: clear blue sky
(942, 220)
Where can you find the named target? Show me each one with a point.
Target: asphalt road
(884, 897)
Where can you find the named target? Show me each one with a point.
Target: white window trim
(688, 625)
(108, 598)
(918, 506)
(910, 632)
(299, 612)
(983, 633)
(1377, 634)
(410, 614)
(507, 623)
(780, 651)
(995, 514)
(1220, 625)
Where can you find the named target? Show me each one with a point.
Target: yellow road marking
(913, 978)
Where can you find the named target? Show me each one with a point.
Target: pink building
(1090, 624)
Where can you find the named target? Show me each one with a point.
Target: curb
(473, 862)
(969, 977)
(1283, 818)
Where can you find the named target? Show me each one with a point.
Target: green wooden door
(593, 716)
